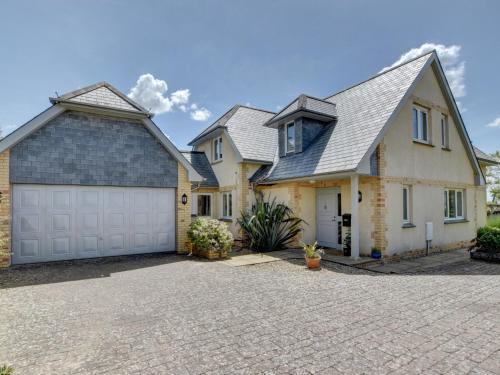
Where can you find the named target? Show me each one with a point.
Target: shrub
(494, 221)
(207, 234)
(269, 225)
(488, 239)
(6, 370)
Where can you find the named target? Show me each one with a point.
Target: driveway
(172, 314)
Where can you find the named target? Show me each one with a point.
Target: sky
(191, 61)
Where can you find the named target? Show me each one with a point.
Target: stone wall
(5, 211)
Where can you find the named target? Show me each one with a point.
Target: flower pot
(376, 255)
(313, 263)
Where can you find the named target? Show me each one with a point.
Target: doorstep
(273, 256)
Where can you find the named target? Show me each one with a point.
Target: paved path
(175, 315)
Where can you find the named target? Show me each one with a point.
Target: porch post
(354, 217)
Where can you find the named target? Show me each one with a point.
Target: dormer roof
(307, 106)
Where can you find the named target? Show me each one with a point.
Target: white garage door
(70, 222)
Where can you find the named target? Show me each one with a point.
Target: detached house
(392, 152)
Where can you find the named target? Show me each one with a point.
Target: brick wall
(183, 210)
(5, 210)
(378, 202)
(84, 149)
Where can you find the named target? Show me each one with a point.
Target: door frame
(338, 216)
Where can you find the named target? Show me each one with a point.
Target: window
(444, 132)
(453, 204)
(420, 124)
(218, 149)
(201, 204)
(406, 204)
(227, 205)
(290, 138)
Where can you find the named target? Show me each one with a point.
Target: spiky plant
(269, 225)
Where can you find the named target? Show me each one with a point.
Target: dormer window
(290, 138)
(217, 149)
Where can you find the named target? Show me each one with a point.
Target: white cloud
(180, 97)
(449, 56)
(151, 93)
(201, 114)
(495, 123)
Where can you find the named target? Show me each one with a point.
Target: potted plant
(347, 244)
(312, 255)
(210, 238)
(376, 253)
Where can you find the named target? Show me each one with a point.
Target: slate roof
(483, 156)
(245, 127)
(101, 94)
(200, 163)
(308, 104)
(362, 111)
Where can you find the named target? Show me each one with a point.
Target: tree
(493, 179)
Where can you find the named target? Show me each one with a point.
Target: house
(91, 176)
(392, 152)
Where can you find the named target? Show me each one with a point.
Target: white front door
(328, 218)
(69, 222)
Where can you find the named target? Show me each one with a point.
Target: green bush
(6, 370)
(207, 234)
(269, 225)
(488, 239)
(493, 221)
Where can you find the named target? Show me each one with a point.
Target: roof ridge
(381, 73)
(254, 108)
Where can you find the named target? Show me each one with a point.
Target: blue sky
(262, 53)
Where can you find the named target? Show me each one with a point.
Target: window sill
(226, 219)
(217, 161)
(423, 143)
(456, 221)
(445, 148)
(408, 225)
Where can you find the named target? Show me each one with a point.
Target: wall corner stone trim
(5, 210)
(183, 217)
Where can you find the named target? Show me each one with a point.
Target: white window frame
(455, 193)
(287, 126)
(195, 205)
(445, 132)
(418, 132)
(228, 197)
(217, 149)
(406, 193)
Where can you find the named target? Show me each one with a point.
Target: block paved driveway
(172, 314)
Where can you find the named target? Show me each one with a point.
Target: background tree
(493, 179)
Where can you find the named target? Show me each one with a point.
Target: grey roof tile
(245, 127)
(362, 110)
(306, 103)
(481, 155)
(200, 163)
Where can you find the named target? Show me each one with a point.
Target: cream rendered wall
(428, 170)
(228, 172)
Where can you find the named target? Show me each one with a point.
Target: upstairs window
(420, 117)
(218, 148)
(445, 143)
(453, 204)
(290, 137)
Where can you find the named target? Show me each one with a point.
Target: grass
(494, 221)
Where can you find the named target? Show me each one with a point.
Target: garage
(69, 222)
(91, 176)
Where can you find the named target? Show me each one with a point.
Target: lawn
(494, 221)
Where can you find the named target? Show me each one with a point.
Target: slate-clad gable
(83, 149)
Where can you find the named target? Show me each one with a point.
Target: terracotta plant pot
(313, 263)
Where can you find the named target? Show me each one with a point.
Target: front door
(329, 218)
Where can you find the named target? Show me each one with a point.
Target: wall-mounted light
(360, 196)
(184, 199)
